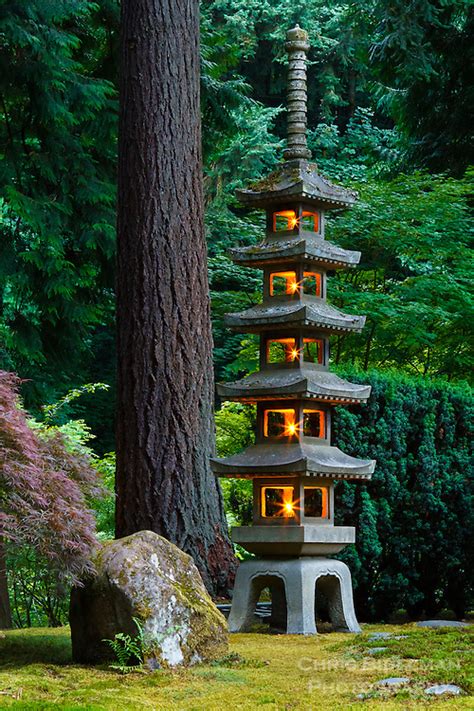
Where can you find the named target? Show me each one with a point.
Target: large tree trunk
(165, 429)
(5, 610)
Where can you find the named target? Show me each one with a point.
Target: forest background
(390, 114)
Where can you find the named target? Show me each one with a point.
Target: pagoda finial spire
(297, 46)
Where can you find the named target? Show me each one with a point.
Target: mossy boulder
(146, 577)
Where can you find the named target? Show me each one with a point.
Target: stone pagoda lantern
(293, 465)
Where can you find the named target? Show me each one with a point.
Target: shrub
(415, 518)
(46, 486)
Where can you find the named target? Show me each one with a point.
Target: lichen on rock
(146, 577)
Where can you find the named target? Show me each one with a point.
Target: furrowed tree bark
(165, 430)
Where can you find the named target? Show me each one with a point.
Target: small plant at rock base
(140, 648)
(127, 649)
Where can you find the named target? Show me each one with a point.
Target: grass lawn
(328, 671)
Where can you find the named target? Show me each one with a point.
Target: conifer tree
(165, 384)
(57, 150)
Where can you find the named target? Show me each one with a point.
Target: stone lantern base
(297, 586)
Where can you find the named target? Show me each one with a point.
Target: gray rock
(394, 681)
(146, 577)
(440, 689)
(376, 650)
(435, 624)
(153, 664)
(401, 636)
(380, 635)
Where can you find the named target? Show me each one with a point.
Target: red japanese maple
(44, 489)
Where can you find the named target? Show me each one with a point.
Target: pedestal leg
(341, 601)
(300, 595)
(244, 600)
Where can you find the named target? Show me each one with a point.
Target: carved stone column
(297, 46)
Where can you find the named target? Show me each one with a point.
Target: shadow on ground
(32, 646)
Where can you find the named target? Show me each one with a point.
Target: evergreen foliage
(234, 431)
(423, 59)
(341, 34)
(57, 143)
(415, 518)
(414, 279)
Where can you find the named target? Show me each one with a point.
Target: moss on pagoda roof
(297, 180)
(309, 312)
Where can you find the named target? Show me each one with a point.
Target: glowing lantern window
(284, 221)
(310, 221)
(313, 350)
(282, 350)
(316, 502)
(279, 423)
(312, 283)
(283, 283)
(278, 501)
(314, 423)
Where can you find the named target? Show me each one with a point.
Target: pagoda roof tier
(297, 180)
(293, 458)
(284, 383)
(296, 249)
(307, 311)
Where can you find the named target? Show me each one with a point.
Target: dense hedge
(415, 518)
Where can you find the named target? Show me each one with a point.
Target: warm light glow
(287, 507)
(283, 283)
(277, 501)
(292, 428)
(280, 423)
(310, 221)
(282, 350)
(287, 220)
(284, 220)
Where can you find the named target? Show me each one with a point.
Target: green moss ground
(269, 671)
